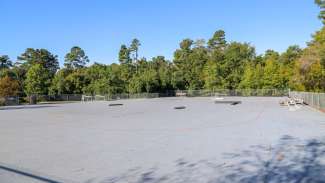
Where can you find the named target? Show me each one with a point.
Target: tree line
(197, 64)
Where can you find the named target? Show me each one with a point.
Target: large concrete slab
(146, 140)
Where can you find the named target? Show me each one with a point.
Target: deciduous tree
(37, 80)
(8, 87)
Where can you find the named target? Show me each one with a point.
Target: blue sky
(101, 26)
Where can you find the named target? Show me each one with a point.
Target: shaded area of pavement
(27, 107)
(291, 160)
(9, 173)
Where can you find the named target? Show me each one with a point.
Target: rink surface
(145, 140)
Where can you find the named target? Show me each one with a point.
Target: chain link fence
(118, 96)
(5, 101)
(316, 100)
(237, 92)
(62, 97)
(33, 99)
(194, 93)
(133, 96)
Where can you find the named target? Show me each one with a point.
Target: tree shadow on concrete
(16, 174)
(27, 107)
(290, 161)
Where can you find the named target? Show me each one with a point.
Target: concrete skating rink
(147, 140)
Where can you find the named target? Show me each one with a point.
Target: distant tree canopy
(76, 58)
(321, 4)
(5, 62)
(197, 64)
(40, 57)
(135, 48)
(124, 55)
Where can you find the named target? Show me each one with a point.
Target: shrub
(8, 87)
(2, 101)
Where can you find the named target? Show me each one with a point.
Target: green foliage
(37, 80)
(58, 85)
(5, 62)
(8, 87)
(190, 61)
(164, 73)
(249, 80)
(236, 56)
(177, 80)
(40, 57)
(98, 77)
(135, 84)
(212, 75)
(321, 4)
(76, 58)
(135, 48)
(218, 41)
(147, 77)
(150, 80)
(76, 81)
(310, 67)
(271, 76)
(292, 54)
(196, 64)
(271, 55)
(186, 44)
(7, 72)
(124, 55)
(315, 78)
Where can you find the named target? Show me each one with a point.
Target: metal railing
(316, 100)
